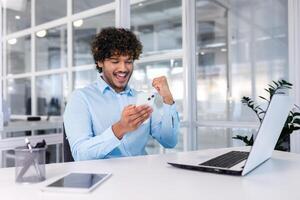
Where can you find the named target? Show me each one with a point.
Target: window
(48, 11)
(18, 55)
(19, 96)
(51, 48)
(83, 33)
(50, 96)
(18, 15)
(83, 78)
(241, 47)
(80, 5)
(158, 25)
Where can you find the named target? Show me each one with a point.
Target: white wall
(294, 58)
(1, 113)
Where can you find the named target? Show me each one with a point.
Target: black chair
(67, 156)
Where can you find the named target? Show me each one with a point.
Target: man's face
(117, 71)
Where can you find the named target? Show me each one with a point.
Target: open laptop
(242, 162)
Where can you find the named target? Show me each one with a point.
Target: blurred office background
(213, 53)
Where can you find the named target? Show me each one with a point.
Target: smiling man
(102, 120)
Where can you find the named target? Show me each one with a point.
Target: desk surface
(150, 177)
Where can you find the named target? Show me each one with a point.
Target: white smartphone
(76, 182)
(145, 98)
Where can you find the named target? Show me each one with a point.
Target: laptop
(242, 162)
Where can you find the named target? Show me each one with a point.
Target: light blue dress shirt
(91, 112)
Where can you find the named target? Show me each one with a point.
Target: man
(102, 120)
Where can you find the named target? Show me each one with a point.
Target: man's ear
(100, 64)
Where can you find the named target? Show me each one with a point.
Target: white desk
(151, 178)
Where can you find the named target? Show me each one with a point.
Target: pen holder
(30, 165)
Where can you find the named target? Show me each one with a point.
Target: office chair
(67, 155)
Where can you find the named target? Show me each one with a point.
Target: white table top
(150, 177)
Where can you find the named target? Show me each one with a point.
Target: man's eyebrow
(113, 58)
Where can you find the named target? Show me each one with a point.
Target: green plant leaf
(264, 98)
(292, 122)
(296, 114)
(275, 83)
(296, 121)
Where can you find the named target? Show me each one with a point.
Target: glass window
(18, 15)
(83, 78)
(211, 36)
(18, 55)
(84, 30)
(79, 5)
(258, 55)
(19, 96)
(144, 73)
(50, 10)
(259, 49)
(51, 48)
(158, 25)
(208, 137)
(50, 94)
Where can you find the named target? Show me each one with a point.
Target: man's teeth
(121, 74)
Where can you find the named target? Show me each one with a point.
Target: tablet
(76, 182)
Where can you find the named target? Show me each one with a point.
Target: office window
(258, 55)
(18, 15)
(84, 30)
(46, 11)
(158, 25)
(18, 51)
(50, 94)
(51, 48)
(83, 78)
(211, 34)
(19, 96)
(80, 5)
(259, 49)
(241, 47)
(209, 137)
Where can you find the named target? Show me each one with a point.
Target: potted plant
(292, 123)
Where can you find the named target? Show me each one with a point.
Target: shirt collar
(103, 86)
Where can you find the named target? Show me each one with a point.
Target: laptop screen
(269, 131)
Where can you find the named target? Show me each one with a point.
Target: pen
(35, 162)
(28, 144)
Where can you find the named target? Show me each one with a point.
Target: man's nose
(122, 65)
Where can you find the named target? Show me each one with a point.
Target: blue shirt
(91, 112)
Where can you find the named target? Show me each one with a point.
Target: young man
(102, 120)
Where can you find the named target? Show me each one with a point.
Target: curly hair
(115, 42)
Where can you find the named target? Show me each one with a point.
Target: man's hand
(132, 117)
(162, 87)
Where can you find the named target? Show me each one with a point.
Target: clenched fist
(132, 117)
(162, 87)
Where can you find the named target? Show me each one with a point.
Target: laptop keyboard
(227, 160)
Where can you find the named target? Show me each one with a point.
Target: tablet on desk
(76, 182)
